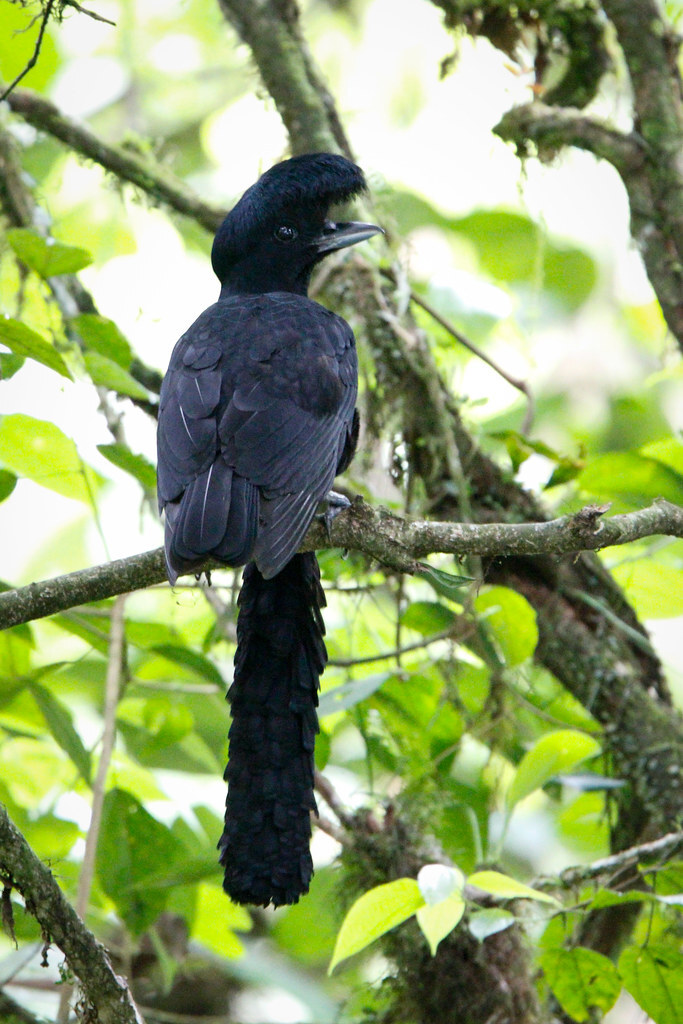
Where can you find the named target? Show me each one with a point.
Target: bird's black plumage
(257, 416)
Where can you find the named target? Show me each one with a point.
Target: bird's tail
(280, 657)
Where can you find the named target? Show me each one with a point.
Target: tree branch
(392, 540)
(274, 36)
(552, 128)
(125, 163)
(86, 957)
(664, 849)
(649, 160)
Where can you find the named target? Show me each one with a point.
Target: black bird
(257, 416)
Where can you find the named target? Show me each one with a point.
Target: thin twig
(330, 829)
(90, 14)
(36, 50)
(515, 382)
(111, 699)
(331, 798)
(445, 634)
(660, 850)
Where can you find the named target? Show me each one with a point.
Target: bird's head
(277, 232)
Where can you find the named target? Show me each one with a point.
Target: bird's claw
(336, 503)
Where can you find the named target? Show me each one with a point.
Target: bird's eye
(285, 233)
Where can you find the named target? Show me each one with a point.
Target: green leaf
(654, 977)
(609, 898)
(108, 374)
(131, 848)
(511, 620)
(10, 364)
(444, 583)
(188, 870)
(103, 336)
(670, 878)
(137, 465)
(60, 724)
(375, 913)
(427, 617)
(510, 246)
(489, 922)
(520, 448)
(8, 482)
(498, 884)
(582, 981)
(341, 698)
(555, 752)
(38, 450)
(668, 450)
(193, 660)
(47, 257)
(634, 478)
(655, 589)
(437, 920)
(52, 837)
(24, 342)
(215, 917)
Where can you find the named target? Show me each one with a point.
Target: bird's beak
(339, 235)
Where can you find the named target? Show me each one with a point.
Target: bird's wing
(288, 420)
(255, 414)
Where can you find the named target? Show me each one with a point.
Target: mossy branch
(128, 165)
(394, 541)
(22, 870)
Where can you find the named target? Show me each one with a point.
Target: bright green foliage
(47, 257)
(654, 978)
(132, 846)
(60, 723)
(511, 622)
(631, 478)
(40, 451)
(554, 753)
(582, 981)
(24, 342)
(507, 888)
(438, 901)
(103, 336)
(438, 919)
(17, 43)
(107, 373)
(373, 914)
(137, 465)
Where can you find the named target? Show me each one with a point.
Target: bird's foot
(336, 503)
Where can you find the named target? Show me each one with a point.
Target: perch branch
(393, 541)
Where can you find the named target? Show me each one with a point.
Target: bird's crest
(314, 180)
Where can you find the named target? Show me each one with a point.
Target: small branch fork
(395, 542)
